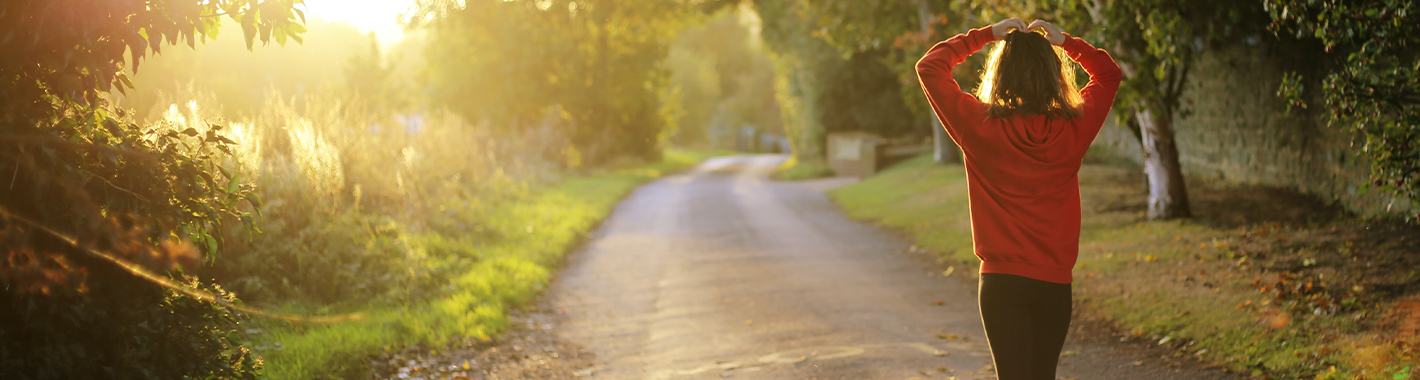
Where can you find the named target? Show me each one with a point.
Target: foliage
(351, 194)
(722, 80)
(416, 217)
(900, 31)
(121, 329)
(801, 65)
(826, 85)
(589, 68)
(870, 25)
(1154, 41)
(372, 79)
(77, 49)
(1375, 90)
(866, 95)
(90, 189)
(346, 257)
(90, 181)
(239, 80)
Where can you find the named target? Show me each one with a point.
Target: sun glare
(378, 16)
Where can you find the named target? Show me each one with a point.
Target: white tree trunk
(1168, 196)
(944, 150)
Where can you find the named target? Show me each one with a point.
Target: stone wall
(1234, 127)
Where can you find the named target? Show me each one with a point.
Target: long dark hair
(1029, 76)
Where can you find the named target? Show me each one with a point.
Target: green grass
(1179, 280)
(536, 233)
(795, 170)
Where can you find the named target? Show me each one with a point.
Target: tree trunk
(944, 150)
(1168, 196)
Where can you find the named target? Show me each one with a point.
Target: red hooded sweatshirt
(1022, 172)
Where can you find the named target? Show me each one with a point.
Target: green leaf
(249, 27)
(225, 173)
(280, 35)
(123, 78)
(207, 178)
(255, 202)
(211, 243)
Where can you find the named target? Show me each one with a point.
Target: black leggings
(1026, 321)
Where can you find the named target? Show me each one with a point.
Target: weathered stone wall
(1234, 127)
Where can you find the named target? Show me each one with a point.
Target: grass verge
(535, 233)
(795, 170)
(1263, 282)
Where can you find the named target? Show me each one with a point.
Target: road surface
(722, 273)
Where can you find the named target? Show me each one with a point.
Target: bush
(80, 225)
(360, 208)
(327, 259)
(122, 328)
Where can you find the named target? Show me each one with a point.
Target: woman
(1023, 138)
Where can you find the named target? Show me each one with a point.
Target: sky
(378, 16)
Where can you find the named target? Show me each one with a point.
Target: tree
(592, 64)
(372, 78)
(722, 77)
(1375, 90)
(102, 220)
(802, 66)
(904, 29)
(842, 69)
(1155, 43)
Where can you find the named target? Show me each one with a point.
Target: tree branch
(101, 178)
(55, 141)
(202, 295)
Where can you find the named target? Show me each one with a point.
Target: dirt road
(723, 273)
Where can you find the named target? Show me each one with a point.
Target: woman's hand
(1052, 32)
(1004, 26)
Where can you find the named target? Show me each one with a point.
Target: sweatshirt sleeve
(956, 109)
(1104, 84)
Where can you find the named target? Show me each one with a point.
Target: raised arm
(1104, 80)
(954, 107)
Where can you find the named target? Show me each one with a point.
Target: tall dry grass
(351, 198)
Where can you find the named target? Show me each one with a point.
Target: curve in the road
(720, 272)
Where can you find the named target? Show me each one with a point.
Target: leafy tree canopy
(97, 212)
(1374, 88)
(590, 67)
